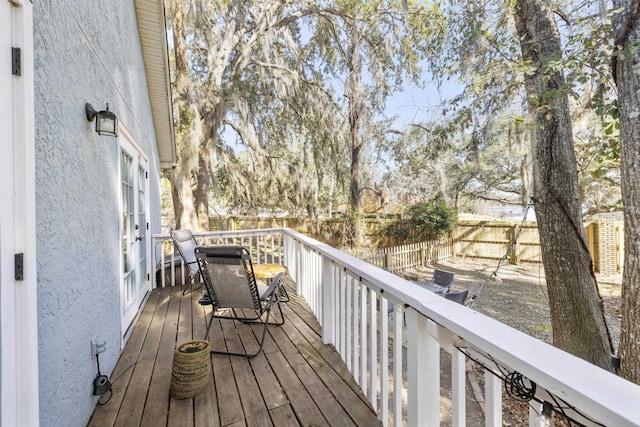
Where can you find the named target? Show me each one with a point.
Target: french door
(134, 230)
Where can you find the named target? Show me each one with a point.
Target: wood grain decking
(296, 380)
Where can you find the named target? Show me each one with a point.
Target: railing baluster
(458, 392)
(399, 314)
(343, 316)
(314, 283)
(384, 361)
(298, 261)
(493, 400)
(433, 375)
(535, 408)
(329, 317)
(373, 355)
(357, 353)
(348, 319)
(261, 248)
(305, 276)
(273, 252)
(364, 296)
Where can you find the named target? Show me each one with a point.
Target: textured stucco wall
(85, 51)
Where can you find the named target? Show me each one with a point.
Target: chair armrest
(270, 292)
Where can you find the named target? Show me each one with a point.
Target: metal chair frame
(227, 274)
(186, 244)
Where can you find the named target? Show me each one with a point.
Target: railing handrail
(226, 234)
(598, 393)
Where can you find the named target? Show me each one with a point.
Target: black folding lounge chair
(227, 273)
(441, 281)
(458, 297)
(186, 244)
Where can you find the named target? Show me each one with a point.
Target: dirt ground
(519, 299)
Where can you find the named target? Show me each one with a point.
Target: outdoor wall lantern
(106, 121)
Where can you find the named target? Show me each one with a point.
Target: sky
(419, 105)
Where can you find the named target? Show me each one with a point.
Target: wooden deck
(296, 380)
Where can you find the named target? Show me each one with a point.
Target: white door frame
(19, 393)
(142, 284)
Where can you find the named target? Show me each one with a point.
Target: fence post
(514, 253)
(387, 261)
(453, 242)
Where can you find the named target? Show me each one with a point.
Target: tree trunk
(627, 78)
(203, 184)
(577, 317)
(356, 112)
(182, 178)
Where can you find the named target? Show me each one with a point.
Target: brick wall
(606, 243)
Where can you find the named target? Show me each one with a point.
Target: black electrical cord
(110, 391)
(514, 381)
(104, 402)
(515, 384)
(123, 372)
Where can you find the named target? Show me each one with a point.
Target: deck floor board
(295, 380)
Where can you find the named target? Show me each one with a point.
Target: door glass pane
(142, 223)
(128, 229)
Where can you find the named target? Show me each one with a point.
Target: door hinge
(147, 226)
(146, 174)
(148, 276)
(16, 62)
(19, 266)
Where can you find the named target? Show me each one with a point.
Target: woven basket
(191, 369)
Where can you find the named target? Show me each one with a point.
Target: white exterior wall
(84, 51)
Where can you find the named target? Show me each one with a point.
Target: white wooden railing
(390, 334)
(265, 246)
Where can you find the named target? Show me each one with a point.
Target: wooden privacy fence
(493, 240)
(398, 258)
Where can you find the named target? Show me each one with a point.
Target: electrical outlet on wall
(98, 347)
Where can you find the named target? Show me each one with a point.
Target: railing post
(328, 290)
(423, 372)
(289, 255)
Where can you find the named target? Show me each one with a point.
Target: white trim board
(19, 404)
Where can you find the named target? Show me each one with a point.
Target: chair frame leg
(266, 324)
(262, 338)
(190, 286)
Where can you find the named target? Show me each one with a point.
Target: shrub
(430, 219)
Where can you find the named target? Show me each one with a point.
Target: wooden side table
(268, 272)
